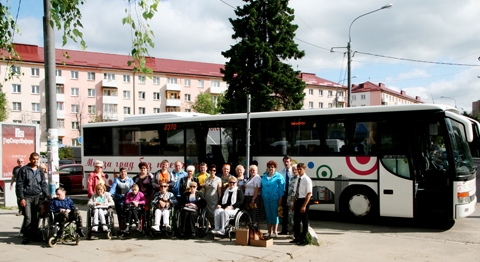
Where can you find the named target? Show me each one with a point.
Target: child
(133, 202)
(64, 211)
(100, 202)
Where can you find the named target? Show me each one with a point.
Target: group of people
(222, 196)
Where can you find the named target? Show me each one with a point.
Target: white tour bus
(395, 161)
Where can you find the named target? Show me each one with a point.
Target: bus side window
(394, 148)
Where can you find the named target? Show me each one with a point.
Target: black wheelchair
(167, 231)
(143, 220)
(109, 222)
(50, 229)
(240, 219)
(201, 223)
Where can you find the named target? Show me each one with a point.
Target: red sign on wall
(17, 142)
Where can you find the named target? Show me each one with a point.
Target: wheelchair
(50, 229)
(109, 222)
(240, 219)
(174, 218)
(143, 220)
(202, 224)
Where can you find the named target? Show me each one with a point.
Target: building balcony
(109, 83)
(216, 90)
(340, 99)
(60, 97)
(174, 102)
(173, 87)
(109, 116)
(61, 114)
(110, 99)
(59, 80)
(61, 131)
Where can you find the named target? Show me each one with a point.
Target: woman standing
(96, 177)
(273, 185)
(213, 192)
(185, 181)
(291, 197)
(240, 170)
(252, 195)
(190, 203)
(144, 181)
(121, 186)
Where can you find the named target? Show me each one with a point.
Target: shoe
(266, 234)
(80, 232)
(214, 232)
(169, 229)
(302, 243)
(194, 235)
(105, 228)
(156, 228)
(221, 232)
(294, 241)
(283, 233)
(25, 241)
(19, 214)
(273, 235)
(95, 229)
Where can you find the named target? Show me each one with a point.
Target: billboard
(18, 141)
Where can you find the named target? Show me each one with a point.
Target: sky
(443, 33)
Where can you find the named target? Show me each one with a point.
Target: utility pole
(50, 99)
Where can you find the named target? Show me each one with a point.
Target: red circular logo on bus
(362, 165)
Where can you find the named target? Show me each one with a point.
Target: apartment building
(370, 94)
(321, 93)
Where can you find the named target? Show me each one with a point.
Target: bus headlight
(463, 198)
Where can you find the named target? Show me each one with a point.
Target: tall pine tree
(264, 33)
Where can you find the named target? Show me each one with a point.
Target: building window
(330, 105)
(310, 105)
(126, 110)
(186, 82)
(75, 142)
(16, 106)
(340, 93)
(156, 96)
(354, 97)
(92, 109)
(126, 94)
(187, 97)
(330, 93)
(110, 108)
(215, 83)
(141, 79)
(188, 110)
(15, 70)
(108, 76)
(320, 105)
(91, 92)
(59, 89)
(109, 92)
(200, 83)
(74, 91)
(74, 74)
(35, 71)
(36, 122)
(17, 121)
(141, 110)
(156, 110)
(74, 108)
(126, 78)
(35, 107)
(35, 89)
(156, 80)
(91, 75)
(363, 97)
(58, 72)
(172, 80)
(60, 123)
(16, 88)
(74, 125)
(320, 92)
(60, 106)
(310, 91)
(141, 95)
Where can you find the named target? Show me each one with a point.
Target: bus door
(395, 180)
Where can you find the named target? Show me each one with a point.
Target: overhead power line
(415, 60)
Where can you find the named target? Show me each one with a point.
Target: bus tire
(359, 204)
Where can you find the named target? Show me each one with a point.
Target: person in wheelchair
(121, 186)
(191, 202)
(227, 206)
(64, 211)
(162, 203)
(100, 202)
(133, 204)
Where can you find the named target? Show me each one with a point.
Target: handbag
(190, 209)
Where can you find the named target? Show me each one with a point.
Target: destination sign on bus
(169, 127)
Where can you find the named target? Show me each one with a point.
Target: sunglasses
(213, 170)
(163, 186)
(232, 182)
(192, 186)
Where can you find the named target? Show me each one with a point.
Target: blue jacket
(57, 204)
(178, 177)
(116, 193)
(273, 188)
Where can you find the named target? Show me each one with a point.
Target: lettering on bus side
(394, 156)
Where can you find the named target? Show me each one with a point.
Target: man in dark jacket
(31, 184)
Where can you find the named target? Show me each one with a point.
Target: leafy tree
(65, 153)
(205, 104)
(3, 107)
(264, 33)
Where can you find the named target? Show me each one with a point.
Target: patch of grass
(7, 208)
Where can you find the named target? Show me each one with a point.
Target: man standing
(287, 175)
(177, 174)
(303, 193)
(30, 185)
(12, 181)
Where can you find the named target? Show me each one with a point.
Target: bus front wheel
(359, 204)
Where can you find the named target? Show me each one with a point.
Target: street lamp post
(349, 52)
(450, 98)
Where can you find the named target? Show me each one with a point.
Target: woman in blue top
(273, 187)
(121, 186)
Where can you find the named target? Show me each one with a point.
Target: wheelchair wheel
(109, 235)
(52, 242)
(202, 226)
(242, 219)
(89, 224)
(77, 239)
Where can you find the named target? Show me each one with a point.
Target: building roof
(371, 87)
(35, 54)
(312, 79)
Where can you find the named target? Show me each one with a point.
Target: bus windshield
(461, 151)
